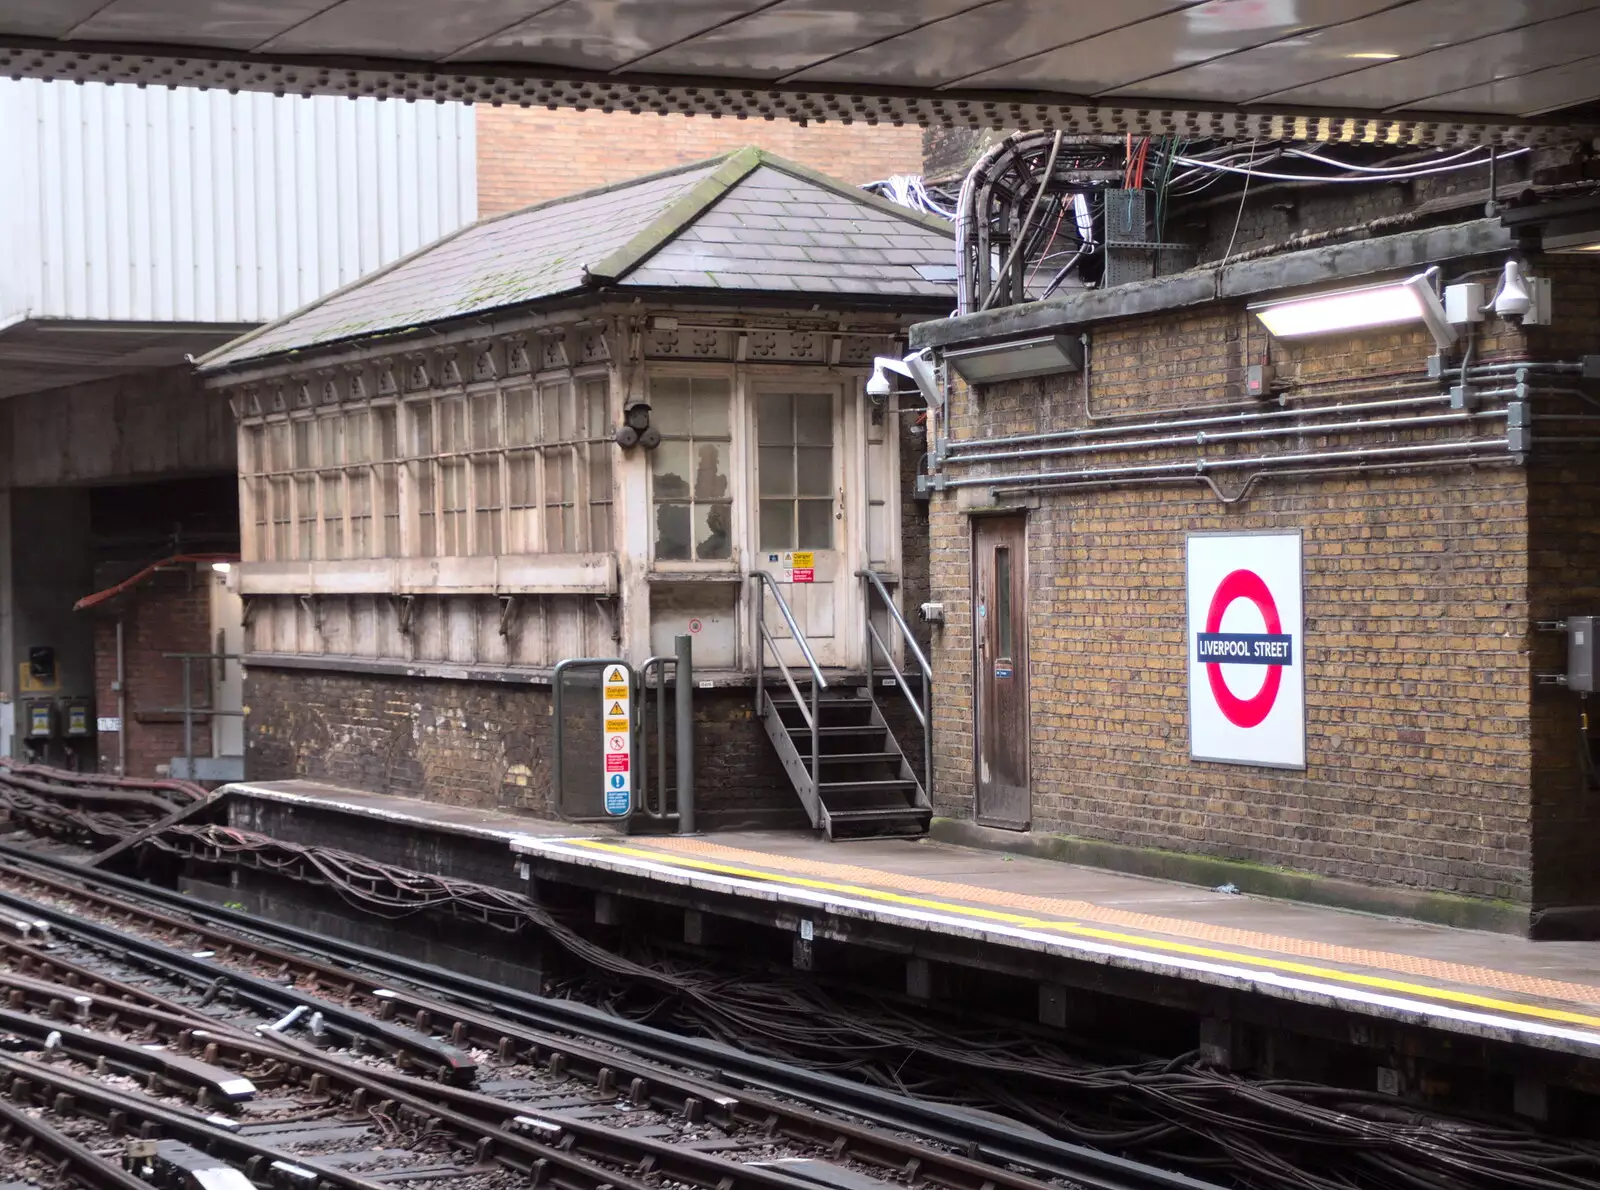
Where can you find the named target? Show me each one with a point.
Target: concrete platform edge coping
(796, 899)
(248, 791)
(1207, 871)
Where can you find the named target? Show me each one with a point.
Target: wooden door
(1000, 633)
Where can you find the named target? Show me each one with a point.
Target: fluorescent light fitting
(1572, 241)
(1373, 56)
(1367, 307)
(1016, 360)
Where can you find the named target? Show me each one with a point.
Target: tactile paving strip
(1327, 952)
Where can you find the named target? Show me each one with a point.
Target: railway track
(369, 1069)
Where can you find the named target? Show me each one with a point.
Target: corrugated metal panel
(200, 206)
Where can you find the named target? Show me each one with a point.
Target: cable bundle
(1183, 1113)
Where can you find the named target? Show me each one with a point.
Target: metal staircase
(836, 745)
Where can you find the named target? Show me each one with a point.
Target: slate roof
(747, 222)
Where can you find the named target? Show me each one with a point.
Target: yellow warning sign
(616, 709)
(28, 684)
(616, 675)
(616, 725)
(804, 560)
(617, 692)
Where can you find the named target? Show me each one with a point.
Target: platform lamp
(1363, 307)
(918, 367)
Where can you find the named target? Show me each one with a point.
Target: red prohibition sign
(1244, 712)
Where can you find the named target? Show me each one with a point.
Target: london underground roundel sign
(1246, 682)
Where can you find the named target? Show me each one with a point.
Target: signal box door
(803, 535)
(1000, 635)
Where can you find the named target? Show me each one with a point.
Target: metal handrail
(924, 712)
(899, 622)
(818, 682)
(659, 811)
(682, 662)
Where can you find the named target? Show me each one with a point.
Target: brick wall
(527, 155)
(484, 744)
(170, 613)
(1416, 689)
(1420, 749)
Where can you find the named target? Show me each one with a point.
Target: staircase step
(859, 757)
(878, 824)
(894, 785)
(891, 795)
(854, 729)
(827, 706)
(878, 813)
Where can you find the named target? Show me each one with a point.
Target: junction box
(1581, 653)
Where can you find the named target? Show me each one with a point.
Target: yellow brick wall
(1417, 637)
(527, 155)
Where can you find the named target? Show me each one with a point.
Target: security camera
(879, 387)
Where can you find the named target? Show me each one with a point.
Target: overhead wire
(1364, 179)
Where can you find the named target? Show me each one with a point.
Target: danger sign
(615, 695)
(1246, 678)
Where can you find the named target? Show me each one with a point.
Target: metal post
(816, 751)
(866, 604)
(683, 689)
(761, 646)
(122, 697)
(188, 723)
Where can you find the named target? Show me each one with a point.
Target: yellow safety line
(1040, 923)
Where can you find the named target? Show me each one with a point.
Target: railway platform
(1262, 981)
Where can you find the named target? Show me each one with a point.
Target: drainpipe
(121, 687)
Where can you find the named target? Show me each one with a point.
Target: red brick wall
(527, 155)
(170, 613)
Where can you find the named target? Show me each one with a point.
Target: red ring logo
(1244, 712)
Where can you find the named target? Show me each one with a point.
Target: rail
(768, 1087)
(764, 638)
(922, 704)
